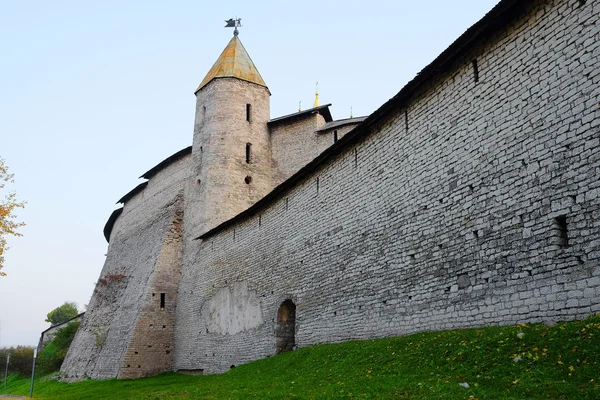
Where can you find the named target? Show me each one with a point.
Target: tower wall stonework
(296, 143)
(219, 188)
(476, 203)
(134, 254)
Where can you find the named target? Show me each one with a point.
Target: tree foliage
(62, 313)
(8, 225)
(21, 359)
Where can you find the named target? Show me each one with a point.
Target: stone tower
(231, 154)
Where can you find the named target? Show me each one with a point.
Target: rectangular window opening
(248, 110)
(563, 231)
(162, 300)
(335, 136)
(248, 153)
(475, 71)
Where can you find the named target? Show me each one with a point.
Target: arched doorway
(285, 332)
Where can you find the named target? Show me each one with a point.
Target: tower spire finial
(234, 23)
(317, 103)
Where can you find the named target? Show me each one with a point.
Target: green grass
(561, 362)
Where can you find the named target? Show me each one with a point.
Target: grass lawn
(512, 362)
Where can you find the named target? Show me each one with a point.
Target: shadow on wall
(285, 332)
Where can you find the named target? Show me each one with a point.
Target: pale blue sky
(93, 94)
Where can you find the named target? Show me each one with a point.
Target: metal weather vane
(234, 23)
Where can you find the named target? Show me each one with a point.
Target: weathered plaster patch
(233, 309)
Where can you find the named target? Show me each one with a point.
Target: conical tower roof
(234, 62)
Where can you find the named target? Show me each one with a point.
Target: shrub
(53, 355)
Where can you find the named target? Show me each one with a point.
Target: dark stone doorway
(285, 332)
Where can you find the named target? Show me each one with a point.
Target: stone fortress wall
(125, 315)
(471, 198)
(474, 201)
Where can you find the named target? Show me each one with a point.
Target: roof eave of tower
(203, 84)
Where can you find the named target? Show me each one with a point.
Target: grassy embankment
(514, 362)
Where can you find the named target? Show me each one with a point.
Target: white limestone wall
(136, 240)
(453, 222)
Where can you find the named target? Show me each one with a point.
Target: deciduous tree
(8, 225)
(62, 313)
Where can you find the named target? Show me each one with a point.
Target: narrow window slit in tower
(563, 231)
(259, 220)
(162, 300)
(248, 153)
(476, 235)
(335, 136)
(475, 71)
(406, 119)
(248, 110)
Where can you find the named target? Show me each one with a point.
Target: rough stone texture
(478, 203)
(296, 143)
(219, 167)
(136, 246)
(451, 223)
(150, 350)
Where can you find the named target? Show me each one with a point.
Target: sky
(93, 94)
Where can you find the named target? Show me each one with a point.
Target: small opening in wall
(582, 2)
(128, 365)
(406, 120)
(201, 149)
(248, 153)
(475, 71)
(562, 230)
(162, 300)
(471, 188)
(164, 326)
(317, 185)
(248, 179)
(199, 181)
(580, 260)
(335, 136)
(168, 351)
(248, 110)
(232, 367)
(153, 294)
(139, 366)
(476, 234)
